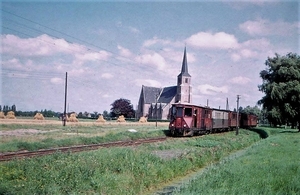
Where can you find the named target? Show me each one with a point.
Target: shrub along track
(28, 154)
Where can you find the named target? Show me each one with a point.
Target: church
(156, 103)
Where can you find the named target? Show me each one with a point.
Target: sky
(109, 49)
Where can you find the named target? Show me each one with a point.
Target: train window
(179, 112)
(188, 112)
(173, 111)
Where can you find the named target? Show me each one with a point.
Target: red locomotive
(189, 120)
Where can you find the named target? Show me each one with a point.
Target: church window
(186, 80)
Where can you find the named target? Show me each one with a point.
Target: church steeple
(184, 68)
(184, 89)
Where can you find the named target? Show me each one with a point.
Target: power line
(53, 44)
(70, 36)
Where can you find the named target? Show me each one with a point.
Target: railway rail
(43, 152)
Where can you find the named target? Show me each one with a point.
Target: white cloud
(155, 40)
(265, 27)
(154, 60)
(240, 80)
(124, 52)
(176, 56)
(57, 80)
(236, 57)
(218, 40)
(253, 48)
(134, 30)
(45, 45)
(107, 76)
(92, 56)
(211, 90)
(106, 96)
(42, 45)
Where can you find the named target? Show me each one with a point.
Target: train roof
(189, 104)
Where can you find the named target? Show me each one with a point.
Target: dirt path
(181, 182)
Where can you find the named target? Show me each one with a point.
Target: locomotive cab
(181, 120)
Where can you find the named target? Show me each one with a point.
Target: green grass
(59, 136)
(268, 167)
(130, 170)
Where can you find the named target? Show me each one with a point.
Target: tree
(105, 114)
(14, 108)
(281, 85)
(122, 107)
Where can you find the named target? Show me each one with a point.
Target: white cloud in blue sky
(111, 49)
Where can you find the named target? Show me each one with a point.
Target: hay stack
(39, 116)
(72, 118)
(10, 115)
(121, 119)
(101, 119)
(2, 115)
(143, 119)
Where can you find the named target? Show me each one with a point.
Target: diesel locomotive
(189, 120)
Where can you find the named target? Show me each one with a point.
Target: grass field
(271, 166)
(130, 170)
(24, 134)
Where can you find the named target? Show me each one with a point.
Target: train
(189, 120)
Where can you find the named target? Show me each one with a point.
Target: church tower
(184, 88)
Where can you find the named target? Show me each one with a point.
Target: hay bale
(39, 116)
(143, 119)
(72, 118)
(101, 119)
(10, 115)
(2, 115)
(121, 119)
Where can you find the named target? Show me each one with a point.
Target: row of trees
(119, 107)
(7, 108)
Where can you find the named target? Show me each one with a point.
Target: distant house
(156, 102)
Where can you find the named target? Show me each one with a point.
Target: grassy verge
(131, 170)
(33, 137)
(269, 167)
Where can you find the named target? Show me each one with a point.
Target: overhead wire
(40, 75)
(65, 34)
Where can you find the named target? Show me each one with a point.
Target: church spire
(184, 88)
(184, 68)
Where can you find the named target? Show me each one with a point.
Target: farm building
(156, 102)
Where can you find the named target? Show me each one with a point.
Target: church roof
(184, 68)
(167, 94)
(164, 95)
(150, 94)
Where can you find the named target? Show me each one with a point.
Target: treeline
(45, 112)
(7, 108)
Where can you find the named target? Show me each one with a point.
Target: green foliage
(281, 85)
(122, 107)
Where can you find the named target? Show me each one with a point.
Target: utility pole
(227, 105)
(237, 115)
(156, 110)
(65, 113)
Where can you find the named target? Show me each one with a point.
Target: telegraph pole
(156, 110)
(65, 113)
(237, 115)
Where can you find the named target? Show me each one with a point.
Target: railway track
(28, 154)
